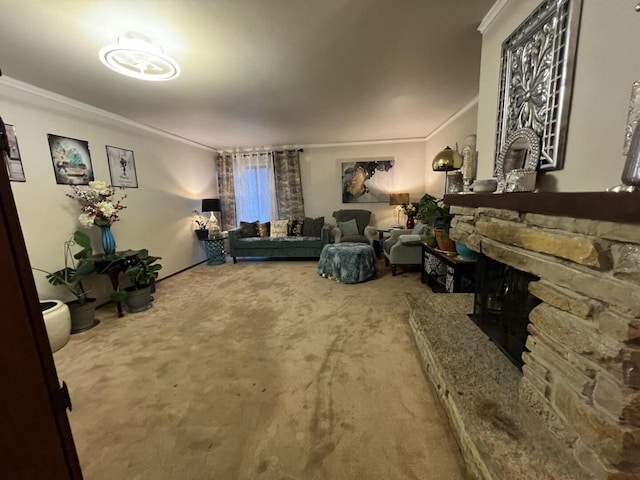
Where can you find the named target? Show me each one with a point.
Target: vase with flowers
(201, 232)
(99, 207)
(410, 210)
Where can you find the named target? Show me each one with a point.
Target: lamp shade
(398, 199)
(447, 160)
(211, 205)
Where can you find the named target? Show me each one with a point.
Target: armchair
(403, 247)
(360, 232)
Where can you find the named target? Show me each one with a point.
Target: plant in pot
(201, 232)
(83, 308)
(142, 274)
(435, 213)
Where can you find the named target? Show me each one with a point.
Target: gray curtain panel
(226, 190)
(286, 165)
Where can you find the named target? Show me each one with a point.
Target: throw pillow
(248, 229)
(348, 228)
(279, 228)
(294, 228)
(264, 229)
(419, 229)
(312, 227)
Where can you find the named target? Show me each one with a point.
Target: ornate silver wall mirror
(536, 78)
(518, 161)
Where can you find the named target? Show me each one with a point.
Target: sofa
(277, 247)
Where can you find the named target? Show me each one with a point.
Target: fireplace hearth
(573, 410)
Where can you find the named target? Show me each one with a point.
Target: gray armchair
(360, 232)
(403, 247)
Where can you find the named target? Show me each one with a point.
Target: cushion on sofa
(348, 228)
(312, 227)
(264, 229)
(279, 228)
(294, 228)
(248, 229)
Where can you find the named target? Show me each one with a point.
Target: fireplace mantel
(606, 206)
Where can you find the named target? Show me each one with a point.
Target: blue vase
(108, 242)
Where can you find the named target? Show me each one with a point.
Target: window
(254, 187)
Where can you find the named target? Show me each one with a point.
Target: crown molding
(26, 87)
(364, 142)
(491, 15)
(452, 118)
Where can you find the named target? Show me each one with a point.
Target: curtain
(288, 185)
(254, 186)
(226, 191)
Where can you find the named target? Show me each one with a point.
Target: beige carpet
(260, 370)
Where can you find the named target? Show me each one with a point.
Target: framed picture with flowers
(71, 160)
(122, 167)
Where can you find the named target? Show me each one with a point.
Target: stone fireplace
(581, 371)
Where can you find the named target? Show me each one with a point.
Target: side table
(216, 254)
(113, 265)
(447, 274)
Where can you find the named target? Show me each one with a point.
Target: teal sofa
(277, 247)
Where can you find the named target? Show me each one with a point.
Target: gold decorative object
(447, 160)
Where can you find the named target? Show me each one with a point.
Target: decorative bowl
(484, 186)
(464, 252)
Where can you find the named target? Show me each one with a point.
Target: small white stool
(57, 321)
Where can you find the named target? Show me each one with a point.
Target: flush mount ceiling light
(135, 56)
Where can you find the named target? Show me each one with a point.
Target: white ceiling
(260, 72)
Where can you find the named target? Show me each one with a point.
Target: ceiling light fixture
(135, 56)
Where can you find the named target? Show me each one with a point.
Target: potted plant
(435, 213)
(201, 232)
(83, 308)
(142, 274)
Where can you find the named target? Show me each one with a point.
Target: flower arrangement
(409, 209)
(97, 204)
(201, 222)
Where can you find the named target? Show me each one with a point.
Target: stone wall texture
(582, 368)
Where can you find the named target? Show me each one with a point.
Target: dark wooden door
(35, 436)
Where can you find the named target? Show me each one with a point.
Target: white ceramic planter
(57, 321)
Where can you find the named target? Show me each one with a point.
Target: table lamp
(212, 205)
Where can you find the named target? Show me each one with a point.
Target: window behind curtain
(254, 187)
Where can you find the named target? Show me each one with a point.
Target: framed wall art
(122, 167)
(367, 180)
(13, 161)
(71, 160)
(536, 78)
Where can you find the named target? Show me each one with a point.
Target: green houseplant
(435, 213)
(142, 275)
(76, 269)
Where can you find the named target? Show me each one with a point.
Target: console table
(445, 273)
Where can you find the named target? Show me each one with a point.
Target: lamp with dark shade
(212, 205)
(398, 199)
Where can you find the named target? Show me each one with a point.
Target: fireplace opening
(502, 304)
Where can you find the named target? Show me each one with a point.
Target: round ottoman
(348, 262)
(57, 321)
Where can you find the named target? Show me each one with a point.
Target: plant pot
(138, 300)
(444, 241)
(202, 234)
(83, 315)
(464, 252)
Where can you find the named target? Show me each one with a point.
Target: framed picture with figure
(122, 167)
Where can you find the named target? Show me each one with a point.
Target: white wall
(607, 64)
(321, 177)
(173, 177)
(454, 132)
